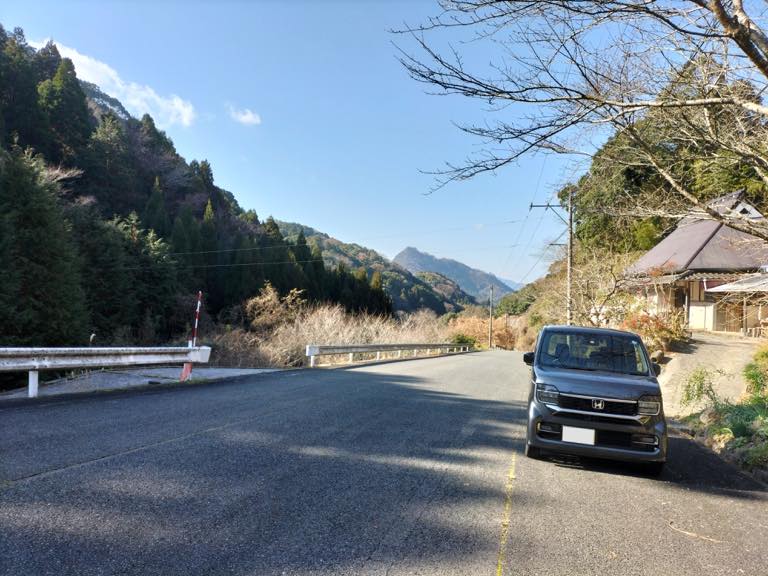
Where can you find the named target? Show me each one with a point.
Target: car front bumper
(612, 435)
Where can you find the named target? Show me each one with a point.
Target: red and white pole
(186, 372)
(197, 318)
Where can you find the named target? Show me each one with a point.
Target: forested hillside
(472, 281)
(407, 291)
(105, 228)
(447, 289)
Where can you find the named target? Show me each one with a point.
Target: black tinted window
(593, 351)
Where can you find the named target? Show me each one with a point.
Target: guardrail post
(399, 353)
(378, 355)
(32, 384)
(312, 361)
(351, 357)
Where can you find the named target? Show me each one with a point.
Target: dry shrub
(281, 328)
(238, 348)
(504, 336)
(659, 331)
(268, 309)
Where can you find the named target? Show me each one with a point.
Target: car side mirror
(656, 367)
(528, 358)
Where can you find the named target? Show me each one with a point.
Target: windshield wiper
(567, 367)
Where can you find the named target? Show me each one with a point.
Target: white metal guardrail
(314, 351)
(36, 359)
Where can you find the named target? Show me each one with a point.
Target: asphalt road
(412, 467)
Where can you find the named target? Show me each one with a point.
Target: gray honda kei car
(594, 393)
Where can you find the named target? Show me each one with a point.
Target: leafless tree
(568, 73)
(598, 290)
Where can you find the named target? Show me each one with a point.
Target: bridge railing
(33, 360)
(313, 351)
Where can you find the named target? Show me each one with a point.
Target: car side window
(639, 358)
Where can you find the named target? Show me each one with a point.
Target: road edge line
(504, 537)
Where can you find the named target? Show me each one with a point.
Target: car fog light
(645, 439)
(548, 427)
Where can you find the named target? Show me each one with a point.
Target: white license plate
(579, 435)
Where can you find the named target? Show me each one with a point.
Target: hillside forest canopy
(106, 229)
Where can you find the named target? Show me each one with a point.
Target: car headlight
(649, 405)
(547, 394)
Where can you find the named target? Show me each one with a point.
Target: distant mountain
(472, 281)
(515, 286)
(407, 291)
(447, 288)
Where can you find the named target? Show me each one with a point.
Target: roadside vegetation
(737, 430)
(274, 330)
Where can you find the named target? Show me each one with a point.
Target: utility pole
(490, 318)
(569, 259)
(569, 300)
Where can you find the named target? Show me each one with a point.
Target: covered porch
(706, 301)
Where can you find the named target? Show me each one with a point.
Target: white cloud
(138, 99)
(246, 116)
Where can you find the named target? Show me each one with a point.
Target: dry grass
(514, 334)
(284, 345)
(278, 329)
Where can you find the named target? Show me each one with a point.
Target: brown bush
(505, 335)
(281, 328)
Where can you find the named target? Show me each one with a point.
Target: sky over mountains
(324, 127)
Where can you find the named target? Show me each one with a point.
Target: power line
(541, 257)
(285, 245)
(528, 214)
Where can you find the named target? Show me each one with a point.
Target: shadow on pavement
(690, 465)
(294, 475)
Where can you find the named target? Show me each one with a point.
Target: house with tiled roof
(700, 254)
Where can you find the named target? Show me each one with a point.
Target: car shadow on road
(690, 465)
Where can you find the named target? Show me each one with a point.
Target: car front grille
(586, 405)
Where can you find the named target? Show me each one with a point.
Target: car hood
(596, 383)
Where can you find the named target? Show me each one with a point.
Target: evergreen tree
(47, 61)
(186, 243)
(154, 270)
(21, 115)
(211, 270)
(109, 174)
(206, 174)
(276, 262)
(111, 282)
(45, 282)
(155, 216)
(63, 102)
(303, 256)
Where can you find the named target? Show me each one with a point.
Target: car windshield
(593, 351)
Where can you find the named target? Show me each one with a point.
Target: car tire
(655, 469)
(532, 452)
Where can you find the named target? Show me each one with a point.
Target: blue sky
(305, 114)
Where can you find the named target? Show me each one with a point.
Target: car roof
(588, 330)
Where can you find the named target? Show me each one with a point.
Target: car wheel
(655, 468)
(532, 451)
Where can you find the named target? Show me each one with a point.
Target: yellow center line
(505, 520)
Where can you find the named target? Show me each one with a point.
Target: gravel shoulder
(103, 380)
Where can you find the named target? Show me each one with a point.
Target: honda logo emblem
(598, 403)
